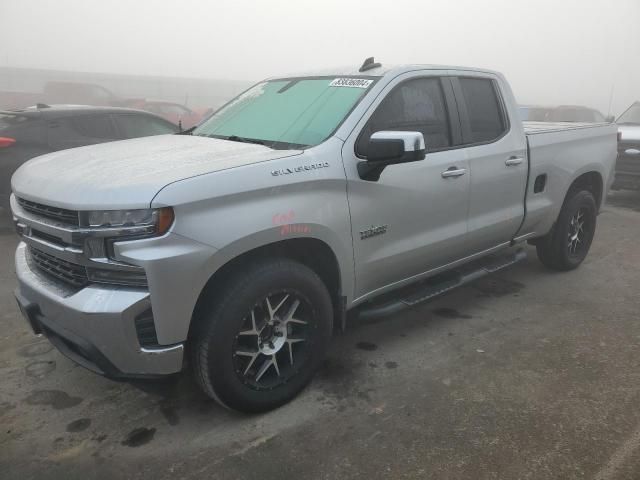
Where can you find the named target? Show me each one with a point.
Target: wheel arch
(309, 251)
(590, 181)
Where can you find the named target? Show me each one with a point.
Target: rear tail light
(6, 142)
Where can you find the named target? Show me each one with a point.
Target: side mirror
(610, 119)
(389, 148)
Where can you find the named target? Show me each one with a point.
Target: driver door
(413, 219)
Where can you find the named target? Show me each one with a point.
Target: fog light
(131, 278)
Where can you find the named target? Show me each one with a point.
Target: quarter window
(416, 105)
(484, 112)
(93, 126)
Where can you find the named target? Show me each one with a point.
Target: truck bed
(532, 128)
(558, 153)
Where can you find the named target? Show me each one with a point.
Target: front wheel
(260, 340)
(567, 245)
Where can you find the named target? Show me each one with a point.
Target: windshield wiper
(188, 131)
(274, 145)
(236, 138)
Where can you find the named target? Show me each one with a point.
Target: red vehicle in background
(174, 112)
(61, 93)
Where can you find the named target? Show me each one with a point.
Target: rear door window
(134, 126)
(94, 126)
(80, 130)
(484, 119)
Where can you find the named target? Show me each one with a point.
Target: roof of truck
(354, 71)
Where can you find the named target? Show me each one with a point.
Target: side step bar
(414, 294)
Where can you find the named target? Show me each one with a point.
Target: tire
(567, 245)
(254, 348)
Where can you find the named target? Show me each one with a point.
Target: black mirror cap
(385, 149)
(394, 150)
(390, 147)
(386, 153)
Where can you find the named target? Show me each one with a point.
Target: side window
(93, 126)
(486, 120)
(134, 126)
(416, 105)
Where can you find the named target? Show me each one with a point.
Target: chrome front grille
(68, 272)
(69, 217)
(74, 255)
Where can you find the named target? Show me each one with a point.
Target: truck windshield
(287, 113)
(632, 115)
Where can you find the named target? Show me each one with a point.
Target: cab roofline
(381, 71)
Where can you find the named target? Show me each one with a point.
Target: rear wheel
(567, 245)
(259, 342)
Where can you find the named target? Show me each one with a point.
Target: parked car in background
(575, 114)
(174, 112)
(562, 113)
(12, 100)
(243, 244)
(80, 93)
(58, 92)
(533, 113)
(628, 163)
(34, 131)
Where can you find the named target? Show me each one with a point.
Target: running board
(412, 295)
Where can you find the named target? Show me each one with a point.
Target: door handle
(513, 161)
(453, 172)
(632, 151)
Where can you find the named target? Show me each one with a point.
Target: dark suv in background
(25, 134)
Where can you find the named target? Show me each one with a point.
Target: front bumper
(93, 326)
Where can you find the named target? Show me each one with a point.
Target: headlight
(158, 218)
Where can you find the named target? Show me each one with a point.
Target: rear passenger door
(496, 150)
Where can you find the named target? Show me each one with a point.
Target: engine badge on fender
(373, 231)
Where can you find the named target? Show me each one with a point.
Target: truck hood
(128, 174)
(629, 132)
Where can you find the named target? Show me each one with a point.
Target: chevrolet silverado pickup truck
(240, 245)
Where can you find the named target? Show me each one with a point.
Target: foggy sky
(552, 51)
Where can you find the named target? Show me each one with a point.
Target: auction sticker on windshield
(351, 82)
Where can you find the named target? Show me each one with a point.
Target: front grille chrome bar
(70, 273)
(74, 235)
(63, 215)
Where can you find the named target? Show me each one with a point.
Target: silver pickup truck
(243, 243)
